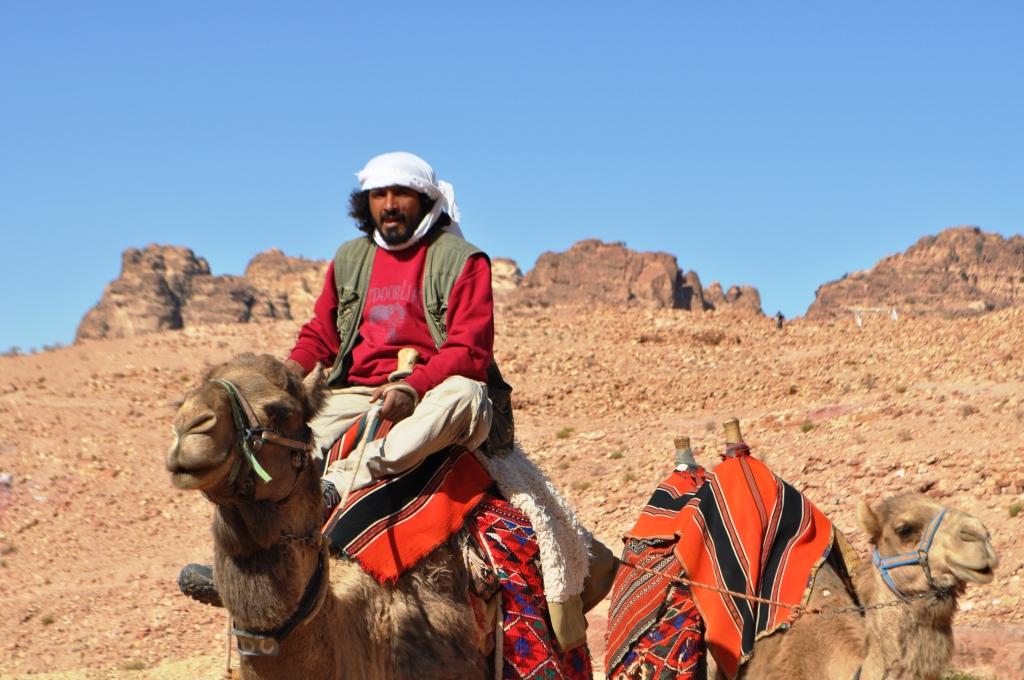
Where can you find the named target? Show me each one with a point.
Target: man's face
(396, 211)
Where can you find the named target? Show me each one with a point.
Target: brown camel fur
(904, 642)
(421, 628)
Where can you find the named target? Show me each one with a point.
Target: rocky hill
(170, 287)
(961, 271)
(593, 271)
(505, 274)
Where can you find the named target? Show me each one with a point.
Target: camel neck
(907, 641)
(260, 574)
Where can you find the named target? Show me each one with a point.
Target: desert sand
(92, 535)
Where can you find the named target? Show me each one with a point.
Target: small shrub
(869, 381)
(806, 426)
(580, 486)
(904, 435)
(709, 337)
(968, 410)
(47, 619)
(1015, 508)
(628, 477)
(615, 455)
(793, 390)
(900, 389)
(709, 426)
(564, 433)
(959, 675)
(133, 665)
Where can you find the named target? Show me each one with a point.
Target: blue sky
(777, 144)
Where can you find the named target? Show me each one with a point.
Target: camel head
(960, 552)
(206, 441)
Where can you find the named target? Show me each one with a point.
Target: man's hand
(398, 402)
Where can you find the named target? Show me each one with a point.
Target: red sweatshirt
(393, 318)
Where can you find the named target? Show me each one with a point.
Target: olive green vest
(446, 258)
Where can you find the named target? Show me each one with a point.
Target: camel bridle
(252, 436)
(908, 559)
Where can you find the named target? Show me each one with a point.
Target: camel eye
(904, 530)
(277, 412)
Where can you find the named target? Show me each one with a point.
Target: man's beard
(395, 235)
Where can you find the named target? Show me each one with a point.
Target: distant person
(779, 320)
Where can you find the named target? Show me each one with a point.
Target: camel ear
(315, 379)
(315, 387)
(868, 521)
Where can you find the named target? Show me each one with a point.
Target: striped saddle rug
(390, 526)
(738, 527)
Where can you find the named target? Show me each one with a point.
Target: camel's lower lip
(975, 574)
(185, 480)
(183, 477)
(180, 469)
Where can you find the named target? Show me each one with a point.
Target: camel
(270, 563)
(909, 641)
(901, 631)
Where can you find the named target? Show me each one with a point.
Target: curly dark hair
(359, 210)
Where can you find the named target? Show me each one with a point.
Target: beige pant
(455, 412)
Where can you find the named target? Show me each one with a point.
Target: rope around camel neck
(798, 609)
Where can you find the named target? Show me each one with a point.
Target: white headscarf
(404, 169)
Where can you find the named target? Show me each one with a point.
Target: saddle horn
(684, 454)
(732, 431)
(407, 358)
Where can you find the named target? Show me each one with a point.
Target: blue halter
(918, 557)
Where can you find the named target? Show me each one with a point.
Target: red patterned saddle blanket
(739, 528)
(390, 526)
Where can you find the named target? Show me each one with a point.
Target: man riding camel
(412, 281)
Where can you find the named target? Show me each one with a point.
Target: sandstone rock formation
(741, 299)
(609, 273)
(290, 285)
(505, 274)
(168, 287)
(961, 271)
(218, 299)
(147, 296)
